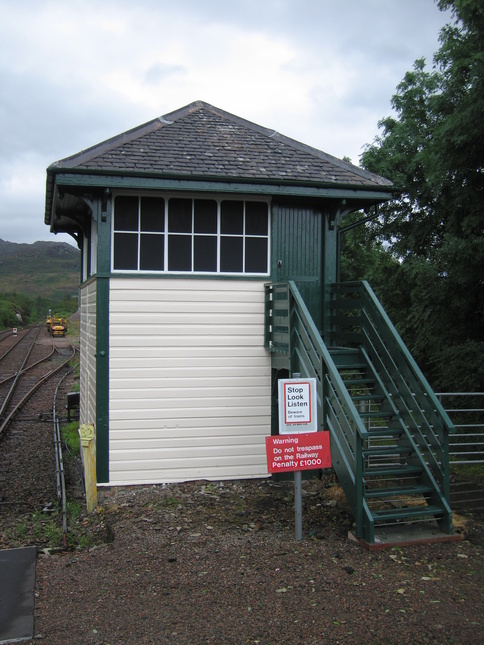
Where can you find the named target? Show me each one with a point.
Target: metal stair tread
(368, 397)
(385, 432)
(407, 511)
(418, 489)
(386, 450)
(389, 414)
(399, 471)
(351, 366)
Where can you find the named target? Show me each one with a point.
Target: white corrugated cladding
(189, 386)
(87, 336)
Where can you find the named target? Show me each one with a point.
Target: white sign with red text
(297, 405)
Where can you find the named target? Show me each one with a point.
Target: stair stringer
(436, 497)
(364, 523)
(417, 457)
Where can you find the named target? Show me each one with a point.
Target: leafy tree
(8, 317)
(20, 309)
(432, 149)
(363, 257)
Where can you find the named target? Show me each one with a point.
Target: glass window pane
(194, 246)
(152, 214)
(232, 213)
(126, 251)
(151, 252)
(180, 215)
(205, 216)
(205, 252)
(126, 213)
(179, 253)
(256, 255)
(231, 250)
(256, 218)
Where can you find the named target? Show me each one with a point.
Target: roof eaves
(169, 182)
(124, 172)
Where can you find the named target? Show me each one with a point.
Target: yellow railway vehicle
(58, 326)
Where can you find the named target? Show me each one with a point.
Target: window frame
(193, 234)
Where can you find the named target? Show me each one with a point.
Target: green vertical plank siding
(330, 270)
(102, 347)
(297, 250)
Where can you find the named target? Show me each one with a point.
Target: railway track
(34, 374)
(25, 365)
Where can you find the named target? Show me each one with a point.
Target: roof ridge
(197, 105)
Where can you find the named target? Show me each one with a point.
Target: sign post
(299, 446)
(298, 505)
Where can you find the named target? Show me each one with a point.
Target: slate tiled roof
(202, 141)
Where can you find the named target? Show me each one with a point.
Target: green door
(297, 253)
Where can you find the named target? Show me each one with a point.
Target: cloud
(73, 74)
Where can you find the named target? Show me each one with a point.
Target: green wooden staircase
(389, 433)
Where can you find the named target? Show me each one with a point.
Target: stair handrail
(419, 376)
(310, 356)
(426, 415)
(314, 335)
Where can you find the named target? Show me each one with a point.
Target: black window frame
(236, 229)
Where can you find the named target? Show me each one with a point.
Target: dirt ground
(218, 563)
(200, 562)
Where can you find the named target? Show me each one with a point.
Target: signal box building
(181, 222)
(185, 225)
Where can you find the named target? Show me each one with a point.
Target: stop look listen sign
(297, 406)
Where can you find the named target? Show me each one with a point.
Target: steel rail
(59, 462)
(33, 390)
(41, 360)
(5, 334)
(19, 339)
(18, 374)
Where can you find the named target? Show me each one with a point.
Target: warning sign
(304, 451)
(297, 406)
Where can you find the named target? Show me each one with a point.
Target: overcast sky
(76, 72)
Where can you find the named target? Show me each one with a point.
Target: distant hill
(47, 269)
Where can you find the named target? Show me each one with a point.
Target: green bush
(70, 436)
(8, 314)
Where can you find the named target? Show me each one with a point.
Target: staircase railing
(358, 319)
(291, 331)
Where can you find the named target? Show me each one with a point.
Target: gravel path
(203, 563)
